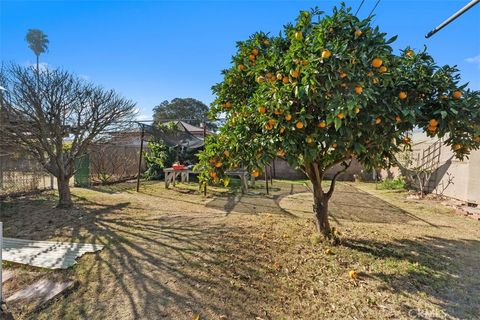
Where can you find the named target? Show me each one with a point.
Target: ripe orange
(251, 57)
(279, 76)
(432, 129)
(226, 153)
(262, 110)
(298, 35)
(357, 110)
(457, 94)
(288, 117)
(278, 111)
(406, 140)
(255, 52)
(358, 33)
(326, 54)
(255, 173)
(241, 67)
(342, 75)
(353, 274)
(281, 153)
(285, 80)
(272, 122)
(299, 125)
(409, 53)
(268, 127)
(269, 75)
(402, 95)
(457, 147)
(213, 175)
(382, 69)
(358, 89)
(266, 42)
(370, 73)
(294, 73)
(378, 120)
(377, 62)
(309, 140)
(218, 164)
(228, 105)
(340, 115)
(398, 119)
(334, 146)
(322, 124)
(433, 122)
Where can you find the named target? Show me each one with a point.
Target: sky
(151, 51)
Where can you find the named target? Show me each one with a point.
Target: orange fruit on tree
(340, 115)
(433, 122)
(226, 153)
(281, 153)
(255, 173)
(268, 127)
(398, 119)
(309, 140)
(377, 63)
(228, 105)
(358, 89)
(241, 67)
(272, 122)
(375, 80)
(342, 75)
(285, 80)
(409, 53)
(322, 124)
(279, 76)
(255, 52)
(218, 164)
(432, 129)
(334, 146)
(213, 175)
(295, 73)
(402, 95)
(299, 35)
(457, 94)
(358, 33)
(457, 146)
(370, 73)
(282, 129)
(378, 120)
(326, 54)
(299, 125)
(251, 57)
(357, 109)
(266, 42)
(406, 140)
(382, 69)
(288, 117)
(262, 109)
(278, 111)
(260, 79)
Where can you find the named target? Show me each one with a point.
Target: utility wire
(371, 12)
(359, 7)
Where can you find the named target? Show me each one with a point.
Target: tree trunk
(320, 211)
(65, 199)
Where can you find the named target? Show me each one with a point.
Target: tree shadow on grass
(152, 267)
(444, 269)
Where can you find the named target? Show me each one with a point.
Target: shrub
(392, 184)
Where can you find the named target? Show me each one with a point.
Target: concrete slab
(40, 292)
(45, 254)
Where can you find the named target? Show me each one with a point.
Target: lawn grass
(174, 254)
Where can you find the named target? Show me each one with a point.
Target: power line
(359, 7)
(376, 4)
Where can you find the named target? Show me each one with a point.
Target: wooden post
(271, 175)
(266, 179)
(140, 158)
(204, 137)
(1, 249)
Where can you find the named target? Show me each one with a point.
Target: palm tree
(38, 42)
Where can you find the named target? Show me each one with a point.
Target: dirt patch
(175, 255)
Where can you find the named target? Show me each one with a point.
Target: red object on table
(178, 167)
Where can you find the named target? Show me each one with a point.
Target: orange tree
(326, 90)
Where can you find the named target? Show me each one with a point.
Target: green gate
(82, 171)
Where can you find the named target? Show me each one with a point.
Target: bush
(393, 184)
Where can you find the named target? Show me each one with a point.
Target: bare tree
(59, 119)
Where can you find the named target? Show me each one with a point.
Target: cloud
(474, 60)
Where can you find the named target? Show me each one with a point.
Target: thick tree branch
(332, 185)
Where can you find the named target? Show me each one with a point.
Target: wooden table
(171, 176)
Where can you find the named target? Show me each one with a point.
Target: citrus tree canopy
(330, 88)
